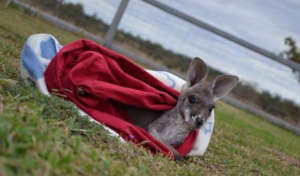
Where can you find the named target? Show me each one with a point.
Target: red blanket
(101, 82)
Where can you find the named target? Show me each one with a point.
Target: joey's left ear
(197, 72)
(223, 84)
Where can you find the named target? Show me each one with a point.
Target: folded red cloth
(102, 83)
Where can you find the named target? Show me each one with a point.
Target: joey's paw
(179, 159)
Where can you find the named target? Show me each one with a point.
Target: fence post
(7, 3)
(114, 24)
(221, 33)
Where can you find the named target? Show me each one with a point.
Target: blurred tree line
(293, 54)
(70, 12)
(272, 104)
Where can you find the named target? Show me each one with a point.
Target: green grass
(45, 136)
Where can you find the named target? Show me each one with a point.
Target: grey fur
(173, 126)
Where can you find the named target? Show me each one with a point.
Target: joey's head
(197, 100)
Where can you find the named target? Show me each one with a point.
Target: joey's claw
(178, 158)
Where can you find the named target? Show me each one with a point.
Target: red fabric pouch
(102, 83)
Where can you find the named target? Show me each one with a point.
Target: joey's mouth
(194, 117)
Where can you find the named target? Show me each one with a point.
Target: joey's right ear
(223, 84)
(197, 72)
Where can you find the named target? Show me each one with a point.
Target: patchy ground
(45, 136)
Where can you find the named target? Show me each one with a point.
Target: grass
(45, 135)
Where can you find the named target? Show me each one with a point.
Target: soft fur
(193, 108)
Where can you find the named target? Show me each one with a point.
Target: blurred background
(158, 36)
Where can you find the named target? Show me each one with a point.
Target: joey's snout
(197, 121)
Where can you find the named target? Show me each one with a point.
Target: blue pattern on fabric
(37, 53)
(173, 83)
(31, 63)
(48, 49)
(208, 128)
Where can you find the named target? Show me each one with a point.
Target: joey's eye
(192, 99)
(210, 108)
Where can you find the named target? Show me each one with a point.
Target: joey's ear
(197, 72)
(223, 84)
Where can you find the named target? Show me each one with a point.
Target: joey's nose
(199, 122)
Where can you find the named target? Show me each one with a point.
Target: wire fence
(108, 41)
